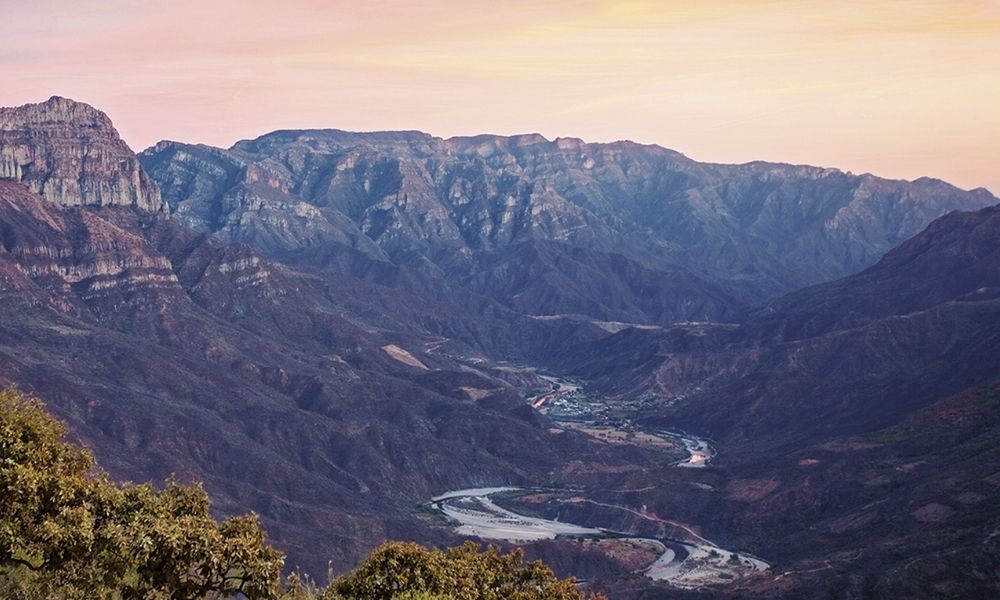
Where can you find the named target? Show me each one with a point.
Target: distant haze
(901, 88)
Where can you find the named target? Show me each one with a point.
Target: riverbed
(568, 406)
(688, 562)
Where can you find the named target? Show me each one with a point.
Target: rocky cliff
(838, 358)
(462, 206)
(70, 153)
(328, 409)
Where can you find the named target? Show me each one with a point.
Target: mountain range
(329, 328)
(620, 232)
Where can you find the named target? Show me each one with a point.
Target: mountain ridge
(70, 153)
(570, 141)
(333, 346)
(434, 204)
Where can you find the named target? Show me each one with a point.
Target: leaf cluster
(402, 570)
(68, 532)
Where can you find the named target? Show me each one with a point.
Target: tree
(399, 570)
(179, 547)
(67, 531)
(54, 507)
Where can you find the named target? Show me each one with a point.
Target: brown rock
(70, 153)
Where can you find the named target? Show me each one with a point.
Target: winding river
(686, 560)
(690, 561)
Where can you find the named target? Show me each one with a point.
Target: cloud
(898, 87)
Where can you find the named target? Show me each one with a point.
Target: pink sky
(901, 88)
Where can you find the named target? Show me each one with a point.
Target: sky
(899, 88)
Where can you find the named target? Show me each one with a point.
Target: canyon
(332, 328)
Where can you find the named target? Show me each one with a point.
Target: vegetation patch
(68, 532)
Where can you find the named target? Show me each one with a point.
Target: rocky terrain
(170, 353)
(332, 328)
(833, 359)
(616, 232)
(70, 153)
(857, 422)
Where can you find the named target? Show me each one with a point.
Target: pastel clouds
(900, 88)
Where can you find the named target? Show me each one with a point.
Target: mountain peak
(56, 109)
(70, 153)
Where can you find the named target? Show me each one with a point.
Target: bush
(398, 570)
(68, 532)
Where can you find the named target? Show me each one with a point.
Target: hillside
(616, 232)
(170, 353)
(67, 531)
(716, 381)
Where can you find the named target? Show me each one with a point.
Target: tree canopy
(68, 532)
(398, 570)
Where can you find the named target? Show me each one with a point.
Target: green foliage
(66, 531)
(300, 587)
(421, 596)
(399, 570)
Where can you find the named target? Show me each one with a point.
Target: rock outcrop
(70, 153)
(507, 217)
(169, 352)
(10, 168)
(839, 358)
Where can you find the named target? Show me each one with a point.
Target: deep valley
(664, 377)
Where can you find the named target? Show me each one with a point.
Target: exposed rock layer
(332, 401)
(171, 353)
(70, 153)
(511, 218)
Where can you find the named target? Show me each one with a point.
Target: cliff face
(70, 153)
(507, 217)
(838, 358)
(171, 353)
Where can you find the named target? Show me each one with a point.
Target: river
(686, 561)
(568, 406)
(689, 562)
